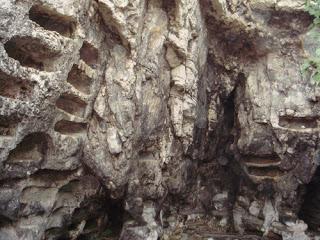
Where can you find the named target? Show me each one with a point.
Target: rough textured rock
(147, 119)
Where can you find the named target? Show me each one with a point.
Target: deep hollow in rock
(298, 122)
(29, 52)
(258, 161)
(12, 87)
(79, 79)
(70, 128)
(7, 126)
(71, 104)
(267, 172)
(52, 21)
(32, 148)
(89, 54)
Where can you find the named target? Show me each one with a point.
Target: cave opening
(107, 225)
(310, 209)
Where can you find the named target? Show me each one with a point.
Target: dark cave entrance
(96, 218)
(310, 209)
(107, 225)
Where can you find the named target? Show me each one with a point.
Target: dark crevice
(310, 209)
(224, 146)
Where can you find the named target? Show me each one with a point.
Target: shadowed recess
(71, 104)
(12, 87)
(89, 54)
(29, 52)
(310, 209)
(52, 21)
(258, 161)
(298, 122)
(268, 172)
(7, 126)
(32, 148)
(79, 79)
(69, 128)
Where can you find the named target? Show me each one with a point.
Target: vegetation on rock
(312, 65)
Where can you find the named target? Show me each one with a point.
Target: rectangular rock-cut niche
(13, 87)
(79, 79)
(89, 54)
(298, 122)
(51, 20)
(32, 148)
(7, 127)
(70, 128)
(268, 172)
(71, 104)
(261, 161)
(29, 52)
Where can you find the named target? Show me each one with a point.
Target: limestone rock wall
(134, 118)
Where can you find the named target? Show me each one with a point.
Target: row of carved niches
(263, 167)
(268, 167)
(33, 50)
(83, 74)
(74, 123)
(81, 77)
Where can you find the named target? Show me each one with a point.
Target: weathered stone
(123, 115)
(114, 142)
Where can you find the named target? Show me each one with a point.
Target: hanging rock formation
(157, 119)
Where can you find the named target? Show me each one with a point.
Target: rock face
(135, 119)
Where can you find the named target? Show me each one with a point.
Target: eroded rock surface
(148, 119)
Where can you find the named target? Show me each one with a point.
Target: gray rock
(134, 110)
(114, 142)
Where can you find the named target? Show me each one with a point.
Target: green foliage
(313, 7)
(312, 65)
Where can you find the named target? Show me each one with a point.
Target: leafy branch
(312, 65)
